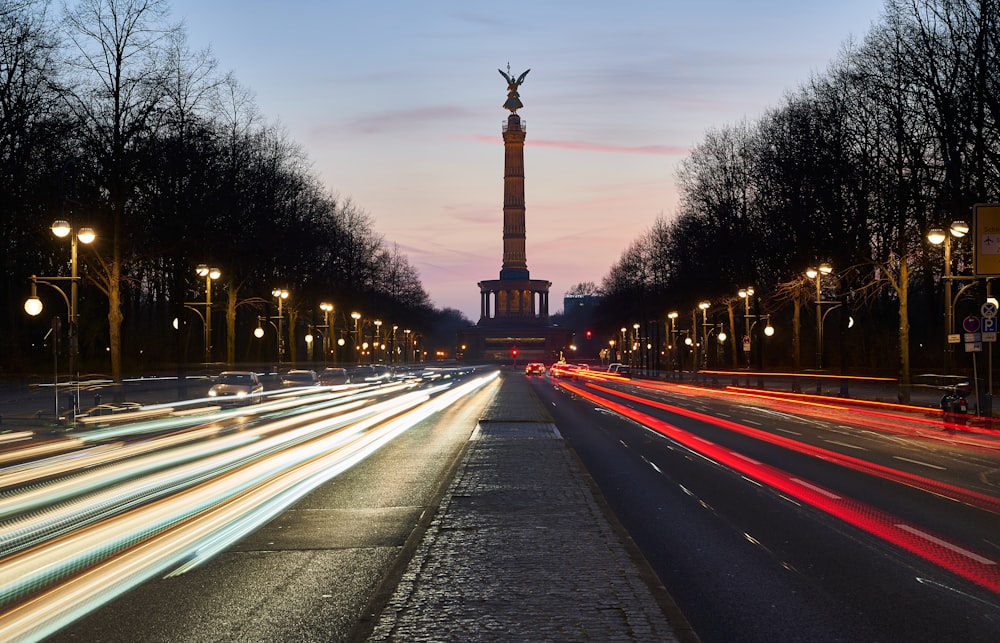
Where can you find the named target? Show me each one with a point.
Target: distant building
(514, 309)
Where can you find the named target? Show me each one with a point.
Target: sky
(398, 105)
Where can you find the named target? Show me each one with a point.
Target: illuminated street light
(817, 275)
(33, 305)
(281, 295)
(210, 274)
(704, 306)
(745, 294)
(937, 236)
(327, 309)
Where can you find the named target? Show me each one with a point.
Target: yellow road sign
(987, 227)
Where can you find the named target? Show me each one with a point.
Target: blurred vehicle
(373, 373)
(620, 369)
(299, 377)
(562, 369)
(238, 386)
(534, 368)
(330, 376)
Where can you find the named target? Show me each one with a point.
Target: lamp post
(281, 295)
(406, 345)
(328, 309)
(378, 339)
(61, 228)
(745, 294)
(704, 306)
(817, 275)
(672, 316)
(210, 274)
(357, 335)
(937, 236)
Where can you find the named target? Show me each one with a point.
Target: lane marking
(946, 544)
(923, 464)
(845, 444)
(788, 431)
(819, 490)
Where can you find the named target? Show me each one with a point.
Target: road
(363, 475)
(773, 520)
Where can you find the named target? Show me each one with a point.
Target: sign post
(986, 264)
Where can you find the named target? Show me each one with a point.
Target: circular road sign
(970, 324)
(989, 309)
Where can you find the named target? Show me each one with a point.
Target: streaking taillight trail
(974, 566)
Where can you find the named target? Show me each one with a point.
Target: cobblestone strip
(520, 551)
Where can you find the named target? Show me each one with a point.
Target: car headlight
(212, 393)
(241, 394)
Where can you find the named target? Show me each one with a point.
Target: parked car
(238, 386)
(330, 376)
(534, 368)
(299, 377)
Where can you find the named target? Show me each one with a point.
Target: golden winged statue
(513, 102)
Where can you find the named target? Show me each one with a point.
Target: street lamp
(378, 338)
(357, 335)
(327, 309)
(635, 346)
(745, 294)
(281, 295)
(704, 306)
(210, 274)
(817, 275)
(937, 236)
(33, 306)
(672, 316)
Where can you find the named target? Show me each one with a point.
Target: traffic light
(513, 352)
(589, 334)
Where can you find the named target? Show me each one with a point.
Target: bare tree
(117, 56)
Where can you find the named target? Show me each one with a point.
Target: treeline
(899, 135)
(111, 120)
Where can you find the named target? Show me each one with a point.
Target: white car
(240, 387)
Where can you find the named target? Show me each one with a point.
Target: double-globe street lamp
(210, 274)
(745, 294)
(704, 306)
(937, 236)
(33, 305)
(281, 295)
(817, 275)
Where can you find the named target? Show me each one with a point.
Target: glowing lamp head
(61, 228)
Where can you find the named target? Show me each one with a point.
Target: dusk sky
(398, 106)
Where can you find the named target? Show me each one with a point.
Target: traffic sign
(986, 218)
(746, 343)
(989, 324)
(989, 309)
(971, 324)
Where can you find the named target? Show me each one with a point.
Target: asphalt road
(746, 562)
(318, 569)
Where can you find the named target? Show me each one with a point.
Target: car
(371, 374)
(331, 376)
(534, 368)
(238, 387)
(562, 369)
(299, 377)
(619, 369)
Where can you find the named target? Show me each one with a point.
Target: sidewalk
(520, 550)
